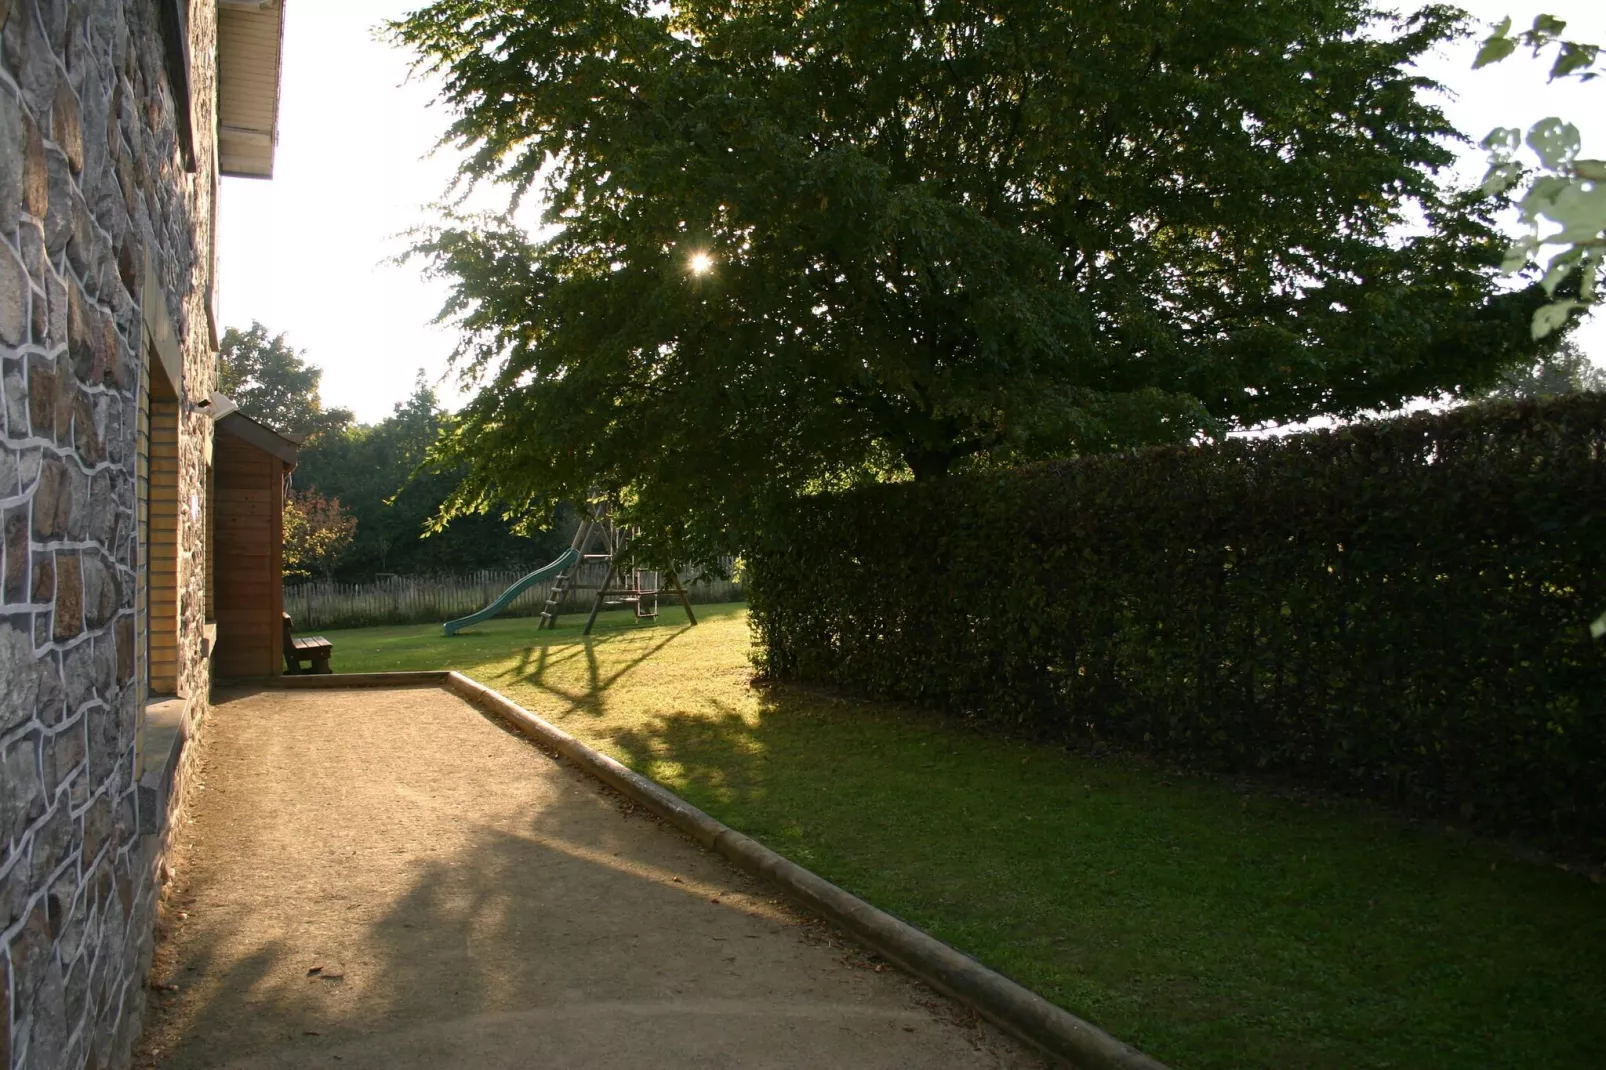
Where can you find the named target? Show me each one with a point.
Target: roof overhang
(250, 49)
(226, 416)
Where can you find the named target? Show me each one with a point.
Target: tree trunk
(928, 466)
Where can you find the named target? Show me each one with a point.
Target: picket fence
(421, 599)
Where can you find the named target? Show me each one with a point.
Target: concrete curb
(1016, 1009)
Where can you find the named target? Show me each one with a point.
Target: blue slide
(567, 558)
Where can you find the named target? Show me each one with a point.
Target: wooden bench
(314, 650)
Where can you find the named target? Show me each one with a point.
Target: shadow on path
(390, 879)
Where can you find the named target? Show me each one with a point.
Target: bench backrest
(289, 645)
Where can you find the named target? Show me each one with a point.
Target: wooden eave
(259, 435)
(250, 52)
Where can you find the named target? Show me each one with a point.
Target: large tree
(272, 382)
(788, 244)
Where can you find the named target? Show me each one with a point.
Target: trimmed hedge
(1398, 607)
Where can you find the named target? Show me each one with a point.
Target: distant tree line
(369, 475)
(1568, 371)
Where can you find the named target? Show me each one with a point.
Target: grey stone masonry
(102, 220)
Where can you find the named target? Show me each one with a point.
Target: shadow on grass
(535, 664)
(1209, 926)
(1213, 927)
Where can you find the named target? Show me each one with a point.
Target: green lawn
(1210, 927)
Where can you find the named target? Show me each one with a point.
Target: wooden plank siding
(248, 517)
(162, 544)
(142, 538)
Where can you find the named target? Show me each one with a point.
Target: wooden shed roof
(226, 417)
(250, 47)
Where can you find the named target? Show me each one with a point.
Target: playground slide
(567, 558)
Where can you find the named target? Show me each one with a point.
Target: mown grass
(1211, 925)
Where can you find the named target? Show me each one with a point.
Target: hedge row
(1398, 607)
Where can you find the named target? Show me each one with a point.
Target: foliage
(1215, 925)
(273, 384)
(1568, 192)
(792, 245)
(1398, 608)
(1567, 371)
(379, 471)
(317, 532)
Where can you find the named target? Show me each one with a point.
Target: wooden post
(596, 607)
(674, 574)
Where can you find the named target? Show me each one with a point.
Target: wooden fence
(422, 599)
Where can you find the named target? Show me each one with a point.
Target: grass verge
(1211, 926)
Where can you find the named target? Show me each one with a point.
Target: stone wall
(93, 188)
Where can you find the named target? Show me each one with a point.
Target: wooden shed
(251, 464)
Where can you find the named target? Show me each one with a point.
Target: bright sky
(306, 252)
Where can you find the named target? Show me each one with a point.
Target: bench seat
(315, 650)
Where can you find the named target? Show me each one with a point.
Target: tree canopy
(366, 496)
(378, 472)
(317, 533)
(787, 245)
(272, 382)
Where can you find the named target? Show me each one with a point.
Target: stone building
(116, 119)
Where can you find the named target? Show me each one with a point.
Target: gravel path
(390, 879)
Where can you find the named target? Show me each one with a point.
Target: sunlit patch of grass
(1211, 925)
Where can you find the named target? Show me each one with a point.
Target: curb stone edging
(1013, 1007)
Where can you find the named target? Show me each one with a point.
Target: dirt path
(389, 879)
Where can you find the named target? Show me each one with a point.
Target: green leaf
(1555, 142)
(1540, 196)
(1551, 317)
(1494, 50)
(1547, 26)
(1518, 254)
(1593, 170)
(1501, 177)
(1503, 140)
(1572, 58)
(1580, 208)
(1561, 265)
(1598, 627)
